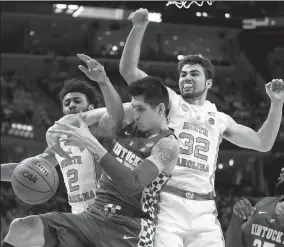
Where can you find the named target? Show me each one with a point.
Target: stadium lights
(73, 7)
(227, 15)
(114, 48)
(155, 17)
(180, 57)
(198, 14)
(231, 162)
(22, 130)
(78, 11)
(121, 43)
(205, 14)
(60, 6)
(220, 166)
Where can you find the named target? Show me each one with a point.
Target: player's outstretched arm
(95, 72)
(242, 211)
(8, 168)
(264, 139)
(128, 66)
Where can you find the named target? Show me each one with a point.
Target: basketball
(34, 180)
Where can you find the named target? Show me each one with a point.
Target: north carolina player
(78, 165)
(188, 215)
(261, 226)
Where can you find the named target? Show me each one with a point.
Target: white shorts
(187, 223)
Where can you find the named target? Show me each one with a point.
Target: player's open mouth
(73, 112)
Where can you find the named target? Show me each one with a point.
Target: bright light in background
(78, 11)
(114, 48)
(198, 14)
(155, 17)
(61, 6)
(220, 166)
(32, 33)
(121, 43)
(231, 162)
(73, 7)
(204, 14)
(227, 15)
(180, 57)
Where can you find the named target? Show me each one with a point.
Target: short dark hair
(205, 63)
(153, 89)
(80, 86)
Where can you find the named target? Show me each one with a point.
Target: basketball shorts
(187, 223)
(96, 228)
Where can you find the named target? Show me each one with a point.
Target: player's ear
(161, 108)
(209, 83)
(91, 107)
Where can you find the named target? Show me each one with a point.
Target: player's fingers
(248, 206)
(61, 133)
(237, 210)
(131, 15)
(84, 57)
(65, 126)
(244, 209)
(83, 69)
(240, 210)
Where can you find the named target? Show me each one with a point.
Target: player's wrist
(277, 103)
(140, 26)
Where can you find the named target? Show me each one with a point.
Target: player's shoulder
(166, 144)
(264, 201)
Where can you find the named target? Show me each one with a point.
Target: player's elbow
(131, 190)
(265, 148)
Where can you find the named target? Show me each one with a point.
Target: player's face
(75, 103)
(280, 184)
(146, 118)
(192, 81)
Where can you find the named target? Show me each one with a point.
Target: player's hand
(94, 71)
(139, 17)
(74, 136)
(243, 209)
(275, 90)
(53, 144)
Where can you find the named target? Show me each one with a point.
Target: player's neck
(196, 101)
(156, 131)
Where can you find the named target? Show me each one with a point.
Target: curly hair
(153, 89)
(80, 86)
(205, 63)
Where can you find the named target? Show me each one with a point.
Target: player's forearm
(270, 128)
(234, 232)
(113, 101)
(7, 171)
(128, 66)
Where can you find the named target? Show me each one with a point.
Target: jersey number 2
(258, 243)
(190, 148)
(72, 178)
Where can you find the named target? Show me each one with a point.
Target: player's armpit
(243, 136)
(165, 153)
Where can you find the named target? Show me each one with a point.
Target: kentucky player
(261, 226)
(188, 215)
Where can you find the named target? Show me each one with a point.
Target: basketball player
(261, 226)
(140, 160)
(79, 173)
(188, 215)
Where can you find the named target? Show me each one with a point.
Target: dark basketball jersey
(265, 228)
(130, 148)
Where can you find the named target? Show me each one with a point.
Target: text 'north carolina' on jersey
(265, 228)
(199, 130)
(130, 149)
(79, 177)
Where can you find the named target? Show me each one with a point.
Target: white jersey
(79, 177)
(199, 129)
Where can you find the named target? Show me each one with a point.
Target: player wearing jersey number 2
(188, 215)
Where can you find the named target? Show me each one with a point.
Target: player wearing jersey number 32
(261, 226)
(188, 215)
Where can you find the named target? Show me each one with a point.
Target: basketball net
(187, 4)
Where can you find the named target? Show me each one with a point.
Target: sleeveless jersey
(199, 130)
(131, 148)
(265, 228)
(79, 177)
